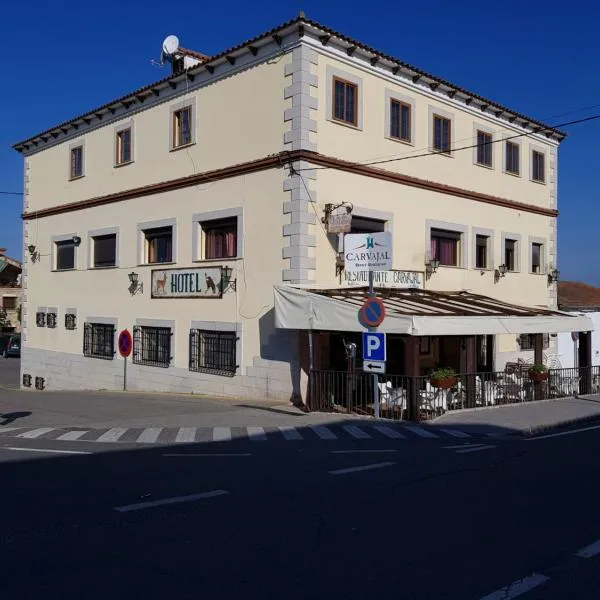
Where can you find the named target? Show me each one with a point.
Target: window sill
(156, 264)
(489, 269)
(441, 153)
(123, 164)
(182, 147)
(391, 138)
(76, 177)
(451, 267)
(512, 174)
(345, 124)
(213, 260)
(103, 268)
(63, 270)
(537, 273)
(488, 167)
(538, 181)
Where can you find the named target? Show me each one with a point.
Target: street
(9, 373)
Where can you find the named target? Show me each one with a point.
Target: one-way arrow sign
(374, 366)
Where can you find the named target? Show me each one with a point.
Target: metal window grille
(40, 319)
(152, 346)
(213, 352)
(526, 341)
(99, 340)
(26, 380)
(70, 321)
(51, 320)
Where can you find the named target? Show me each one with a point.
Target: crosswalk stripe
(112, 435)
(149, 435)
(455, 433)
(389, 432)
(323, 432)
(256, 434)
(186, 434)
(71, 435)
(35, 433)
(424, 433)
(290, 433)
(355, 432)
(221, 434)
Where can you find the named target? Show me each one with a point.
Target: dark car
(13, 348)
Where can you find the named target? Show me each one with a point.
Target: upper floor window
(65, 255)
(159, 245)
(445, 246)
(511, 248)
(366, 225)
(484, 148)
(538, 166)
(345, 101)
(536, 257)
(512, 158)
(76, 162)
(400, 120)
(441, 134)
(105, 250)
(220, 238)
(481, 251)
(182, 127)
(123, 147)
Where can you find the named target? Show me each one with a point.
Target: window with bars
(400, 120)
(512, 158)
(442, 134)
(220, 238)
(123, 147)
(99, 340)
(213, 352)
(182, 127)
(152, 346)
(484, 148)
(526, 341)
(51, 320)
(9, 302)
(538, 166)
(70, 321)
(76, 162)
(40, 319)
(345, 101)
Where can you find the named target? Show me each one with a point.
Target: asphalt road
(9, 373)
(430, 519)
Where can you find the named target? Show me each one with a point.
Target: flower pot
(538, 376)
(443, 382)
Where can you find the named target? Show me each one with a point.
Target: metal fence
(421, 398)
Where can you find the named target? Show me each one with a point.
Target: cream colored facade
(261, 125)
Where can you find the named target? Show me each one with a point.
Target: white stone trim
(92, 233)
(455, 228)
(142, 258)
(489, 233)
(102, 320)
(214, 215)
(333, 72)
(505, 235)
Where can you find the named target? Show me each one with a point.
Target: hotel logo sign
(364, 252)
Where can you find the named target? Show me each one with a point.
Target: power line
(12, 193)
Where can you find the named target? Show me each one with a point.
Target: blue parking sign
(374, 346)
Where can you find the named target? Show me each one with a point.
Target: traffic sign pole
(124, 373)
(374, 376)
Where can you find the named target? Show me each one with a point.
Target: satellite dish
(170, 45)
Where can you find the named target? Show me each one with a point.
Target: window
(366, 225)
(51, 320)
(441, 134)
(152, 346)
(536, 257)
(526, 341)
(510, 255)
(345, 101)
(123, 147)
(220, 238)
(40, 318)
(400, 120)
(76, 162)
(159, 245)
(538, 166)
(213, 352)
(484, 148)
(65, 255)
(70, 321)
(481, 251)
(105, 250)
(445, 247)
(182, 127)
(99, 340)
(512, 158)
(9, 302)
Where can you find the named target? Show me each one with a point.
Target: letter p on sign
(374, 346)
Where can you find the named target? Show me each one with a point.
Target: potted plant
(538, 372)
(443, 378)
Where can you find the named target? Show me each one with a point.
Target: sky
(63, 58)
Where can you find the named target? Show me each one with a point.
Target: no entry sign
(125, 343)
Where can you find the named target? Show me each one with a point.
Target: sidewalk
(526, 418)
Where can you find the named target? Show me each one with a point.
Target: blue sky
(65, 57)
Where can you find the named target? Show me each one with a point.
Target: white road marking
(590, 550)
(476, 449)
(517, 588)
(71, 436)
(221, 434)
(149, 435)
(461, 446)
(420, 431)
(256, 434)
(112, 435)
(210, 454)
(175, 500)
(361, 451)
(356, 432)
(35, 433)
(552, 435)
(389, 432)
(290, 433)
(361, 468)
(456, 433)
(47, 450)
(323, 432)
(186, 434)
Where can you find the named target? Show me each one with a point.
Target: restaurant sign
(386, 279)
(200, 282)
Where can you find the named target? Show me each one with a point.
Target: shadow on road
(9, 418)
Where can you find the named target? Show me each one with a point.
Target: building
(10, 294)
(180, 210)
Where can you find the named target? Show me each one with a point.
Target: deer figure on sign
(160, 283)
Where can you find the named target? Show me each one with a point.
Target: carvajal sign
(364, 252)
(201, 282)
(386, 279)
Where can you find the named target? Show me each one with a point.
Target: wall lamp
(500, 272)
(76, 240)
(553, 276)
(226, 282)
(33, 253)
(431, 266)
(134, 285)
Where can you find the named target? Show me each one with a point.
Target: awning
(418, 312)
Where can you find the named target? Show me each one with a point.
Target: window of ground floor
(213, 352)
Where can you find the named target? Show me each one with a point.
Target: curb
(559, 425)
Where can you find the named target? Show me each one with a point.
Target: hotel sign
(201, 282)
(364, 252)
(339, 223)
(386, 279)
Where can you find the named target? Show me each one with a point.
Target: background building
(10, 294)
